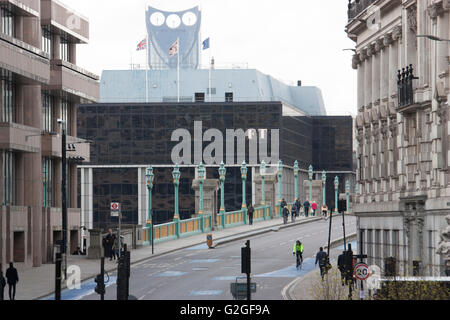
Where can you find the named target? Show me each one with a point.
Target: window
(8, 22)
(47, 112)
(9, 178)
(64, 49)
(8, 97)
(228, 96)
(47, 182)
(46, 40)
(65, 115)
(199, 97)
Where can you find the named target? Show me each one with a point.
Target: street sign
(361, 271)
(115, 209)
(239, 289)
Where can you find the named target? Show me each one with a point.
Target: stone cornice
(435, 10)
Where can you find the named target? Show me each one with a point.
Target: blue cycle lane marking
(291, 271)
(87, 288)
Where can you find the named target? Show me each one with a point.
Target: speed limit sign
(361, 271)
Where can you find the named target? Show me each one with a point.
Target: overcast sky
(288, 39)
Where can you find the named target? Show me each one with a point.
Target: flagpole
(178, 68)
(146, 69)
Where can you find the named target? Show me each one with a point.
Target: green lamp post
(347, 192)
(201, 177)
(296, 180)
(310, 173)
(262, 171)
(176, 181)
(244, 178)
(150, 176)
(336, 189)
(324, 185)
(280, 184)
(222, 173)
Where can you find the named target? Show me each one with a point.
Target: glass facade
(47, 40)
(47, 181)
(47, 112)
(64, 49)
(8, 178)
(8, 93)
(8, 22)
(141, 134)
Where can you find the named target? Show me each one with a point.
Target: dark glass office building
(127, 137)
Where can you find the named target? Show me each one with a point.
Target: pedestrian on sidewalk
(306, 206)
(298, 204)
(13, 277)
(250, 211)
(285, 214)
(322, 259)
(314, 208)
(341, 266)
(324, 211)
(108, 244)
(293, 212)
(283, 203)
(2, 286)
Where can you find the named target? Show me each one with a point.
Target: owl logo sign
(164, 28)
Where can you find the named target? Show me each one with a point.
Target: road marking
(206, 293)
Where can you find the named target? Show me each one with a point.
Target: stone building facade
(402, 129)
(40, 83)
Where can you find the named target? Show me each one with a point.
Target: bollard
(209, 240)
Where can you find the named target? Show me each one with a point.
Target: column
(361, 78)
(375, 74)
(368, 79)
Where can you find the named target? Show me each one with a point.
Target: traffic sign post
(115, 212)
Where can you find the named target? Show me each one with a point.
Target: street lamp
(280, 184)
(336, 188)
(310, 173)
(222, 173)
(262, 171)
(201, 176)
(244, 178)
(296, 180)
(347, 191)
(63, 124)
(176, 181)
(150, 176)
(324, 184)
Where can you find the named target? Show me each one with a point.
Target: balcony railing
(358, 6)
(405, 79)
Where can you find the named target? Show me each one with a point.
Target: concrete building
(402, 129)
(40, 83)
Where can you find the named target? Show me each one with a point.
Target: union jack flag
(142, 45)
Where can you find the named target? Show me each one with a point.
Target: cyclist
(298, 252)
(324, 212)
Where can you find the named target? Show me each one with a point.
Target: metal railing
(358, 6)
(405, 79)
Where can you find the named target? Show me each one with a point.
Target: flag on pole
(173, 50)
(206, 44)
(142, 45)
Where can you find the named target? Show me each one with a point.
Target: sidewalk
(36, 283)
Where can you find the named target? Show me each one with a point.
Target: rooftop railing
(355, 7)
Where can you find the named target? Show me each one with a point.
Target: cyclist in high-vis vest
(298, 252)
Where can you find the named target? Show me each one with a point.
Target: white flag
(173, 50)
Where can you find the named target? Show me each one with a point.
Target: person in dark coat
(13, 277)
(341, 266)
(322, 259)
(283, 203)
(109, 243)
(294, 211)
(298, 205)
(306, 205)
(250, 211)
(285, 214)
(2, 286)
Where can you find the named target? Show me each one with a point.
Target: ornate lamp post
(262, 171)
(244, 178)
(310, 174)
(347, 191)
(176, 181)
(280, 184)
(201, 177)
(150, 176)
(296, 180)
(222, 173)
(336, 188)
(324, 187)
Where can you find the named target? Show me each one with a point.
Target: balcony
(405, 96)
(358, 6)
(77, 149)
(26, 8)
(18, 137)
(68, 77)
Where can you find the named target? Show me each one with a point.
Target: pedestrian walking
(2, 286)
(322, 259)
(285, 214)
(324, 211)
(109, 243)
(306, 206)
(283, 203)
(341, 267)
(298, 204)
(250, 211)
(314, 208)
(12, 278)
(293, 211)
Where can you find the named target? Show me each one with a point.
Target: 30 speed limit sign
(361, 271)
